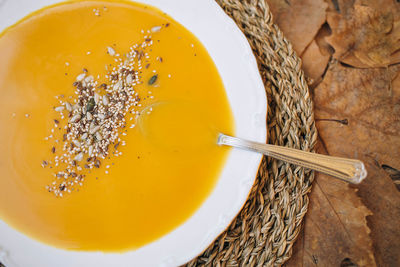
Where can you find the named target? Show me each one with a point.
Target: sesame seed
(156, 29)
(80, 77)
(68, 106)
(75, 118)
(110, 51)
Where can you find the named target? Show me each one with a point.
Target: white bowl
(236, 64)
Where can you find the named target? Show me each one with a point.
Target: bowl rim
(16, 249)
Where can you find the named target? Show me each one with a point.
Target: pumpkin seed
(153, 79)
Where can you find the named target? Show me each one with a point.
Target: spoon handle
(349, 170)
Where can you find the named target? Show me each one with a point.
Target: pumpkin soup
(110, 116)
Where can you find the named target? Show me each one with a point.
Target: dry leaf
(299, 20)
(320, 38)
(317, 56)
(314, 62)
(335, 230)
(365, 33)
(369, 102)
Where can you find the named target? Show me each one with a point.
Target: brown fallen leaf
(320, 38)
(299, 20)
(317, 55)
(314, 62)
(369, 103)
(335, 230)
(394, 175)
(368, 100)
(365, 33)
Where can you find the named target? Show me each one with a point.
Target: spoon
(349, 170)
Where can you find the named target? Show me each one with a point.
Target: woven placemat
(264, 231)
(269, 223)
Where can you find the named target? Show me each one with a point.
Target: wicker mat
(269, 223)
(266, 228)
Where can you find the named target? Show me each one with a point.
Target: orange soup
(165, 161)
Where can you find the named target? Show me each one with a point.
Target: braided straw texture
(266, 228)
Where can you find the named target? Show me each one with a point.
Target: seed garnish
(92, 124)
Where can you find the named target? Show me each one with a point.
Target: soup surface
(170, 162)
